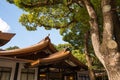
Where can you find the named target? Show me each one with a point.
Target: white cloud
(4, 27)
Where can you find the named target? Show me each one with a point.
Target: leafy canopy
(70, 16)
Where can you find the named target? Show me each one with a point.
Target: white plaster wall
(10, 64)
(21, 66)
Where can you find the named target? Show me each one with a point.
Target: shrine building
(41, 61)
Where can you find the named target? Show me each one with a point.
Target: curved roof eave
(5, 38)
(15, 59)
(52, 58)
(36, 47)
(56, 57)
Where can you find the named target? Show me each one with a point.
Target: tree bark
(108, 51)
(94, 29)
(113, 66)
(88, 59)
(110, 41)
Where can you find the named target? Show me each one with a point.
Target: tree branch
(39, 4)
(87, 55)
(94, 29)
(46, 2)
(59, 27)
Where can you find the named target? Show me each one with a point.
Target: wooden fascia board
(6, 36)
(53, 58)
(2, 58)
(36, 47)
(57, 57)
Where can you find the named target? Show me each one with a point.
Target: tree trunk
(113, 67)
(108, 51)
(88, 59)
(113, 73)
(110, 46)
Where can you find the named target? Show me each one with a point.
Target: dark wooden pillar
(48, 72)
(16, 71)
(38, 75)
(76, 76)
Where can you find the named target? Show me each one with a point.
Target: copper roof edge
(5, 37)
(52, 58)
(15, 59)
(42, 44)
(56, 57)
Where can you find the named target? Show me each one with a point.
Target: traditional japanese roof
(62, 57)
(42, 54)
(45, 45)
(5, 38)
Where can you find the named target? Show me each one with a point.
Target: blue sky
(9, 13)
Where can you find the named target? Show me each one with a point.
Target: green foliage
(80, 56)
(28, 21)
(118, 3)
(62, 46)
(49, 17)
(11, 48)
